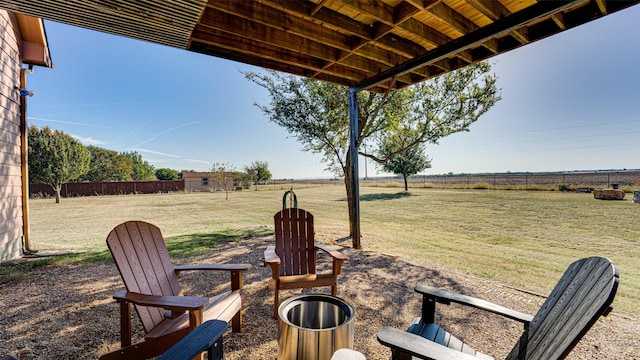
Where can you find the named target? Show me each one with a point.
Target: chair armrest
(223, 267)
(446, 297)
(347, 354)
(206, 337)
(337, 256)
(173, 303)
(270, 256)
(236, 271)
(414, 345)
(333, 252)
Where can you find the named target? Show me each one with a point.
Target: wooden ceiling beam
(494, 10)
(317, 7)
(398, 44)
(492, 45)
(602, 6)
(424, 32)
(423, 4)
(403, 12)
(241, 27)
(254, 47)
(386, 18)
(559, 20)
(324, 16)
(456, 21)
(256, 13)
(376, 9)
(496, 29)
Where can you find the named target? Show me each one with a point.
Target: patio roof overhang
(34, 46)
(376, 45)
(362, 44)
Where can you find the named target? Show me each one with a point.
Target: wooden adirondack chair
(151, 282)
(293, 258)
(582, 295)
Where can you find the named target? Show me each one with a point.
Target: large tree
(259, 169)
(141, 169)
(107, 165)
(55, 158)
(407, 163)
(317, 114)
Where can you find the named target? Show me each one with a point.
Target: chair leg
(236, 322)
(275, 304)
(334, 290)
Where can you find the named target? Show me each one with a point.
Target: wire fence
(627, 180)
(568, 181)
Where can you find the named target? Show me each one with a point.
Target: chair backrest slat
(582, 295)
(295, 241)
(142, 258)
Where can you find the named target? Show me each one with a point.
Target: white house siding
(10, 164)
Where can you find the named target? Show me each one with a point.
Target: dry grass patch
(523, 239)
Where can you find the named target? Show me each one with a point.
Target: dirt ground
(68, 312)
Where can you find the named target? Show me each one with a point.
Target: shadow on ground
(382, 196)
(65, 312)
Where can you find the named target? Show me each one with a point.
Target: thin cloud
(167, 131)
(149, 151)
(88, 140)
(67, 122)
(198, 161)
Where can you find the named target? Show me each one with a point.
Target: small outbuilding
(206, 181)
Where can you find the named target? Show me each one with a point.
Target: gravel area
(68, 313)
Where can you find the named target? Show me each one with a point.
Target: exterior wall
(204, 181)
(10, 163)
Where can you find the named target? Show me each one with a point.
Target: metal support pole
(353, 152)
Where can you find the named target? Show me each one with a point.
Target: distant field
(570, 180)
(523, 239)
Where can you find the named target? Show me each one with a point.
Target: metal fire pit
(313, 327)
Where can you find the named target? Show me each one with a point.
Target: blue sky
(569, 102)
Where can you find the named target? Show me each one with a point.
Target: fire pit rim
(295, 300)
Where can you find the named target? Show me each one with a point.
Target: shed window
(205, 181)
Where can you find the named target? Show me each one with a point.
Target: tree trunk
(57, 189)
(406, 188)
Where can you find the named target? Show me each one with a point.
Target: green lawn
(521, 239)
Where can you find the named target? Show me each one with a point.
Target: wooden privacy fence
(109, 188)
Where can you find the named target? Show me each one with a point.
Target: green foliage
(55, 158)
(167, 174)
(141, 169)
(241, 178)
(107, 165)
(317, 114)
(258, 170)
(409, 162)
(221, 174)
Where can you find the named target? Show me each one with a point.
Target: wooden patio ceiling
(359, 43)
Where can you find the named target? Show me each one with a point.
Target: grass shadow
(198, 244)
(179, 247)
(383, 196)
